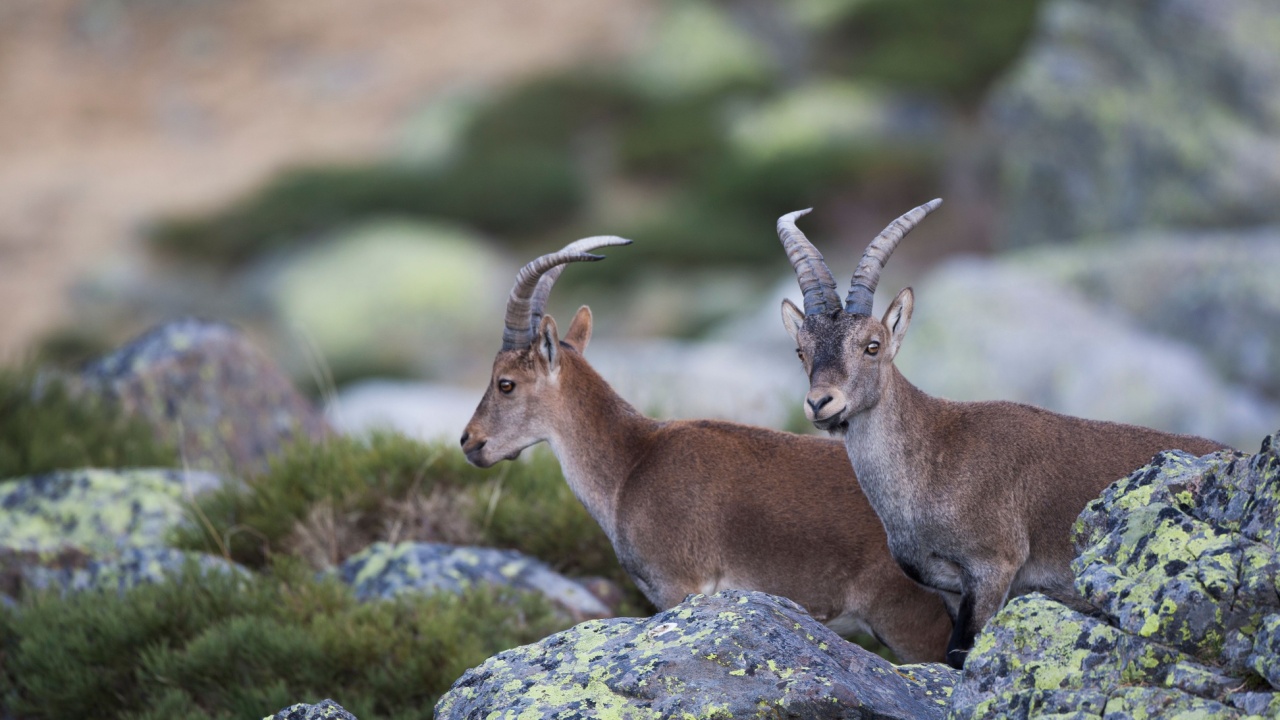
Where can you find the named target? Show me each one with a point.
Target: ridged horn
(533, 284)
(863, 289)
(816, 282)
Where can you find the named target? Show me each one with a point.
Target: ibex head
(524, 395)
(847, 353)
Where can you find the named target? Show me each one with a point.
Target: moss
(227, 646)
(44, 426)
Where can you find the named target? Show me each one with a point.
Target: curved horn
(816, 282)
(862, 291)
(533, 285)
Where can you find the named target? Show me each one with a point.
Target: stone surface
(1214, 290)
(71, 571)
(1129, 115)
(998, 330)
(730, 655)
(323, 710)
(205, 387)
(384, 570)
(99, 512)
(1180, 560)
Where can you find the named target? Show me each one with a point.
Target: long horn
(533, 285)
(816, 282)
(862, 291)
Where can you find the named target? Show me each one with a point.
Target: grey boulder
(733, 654)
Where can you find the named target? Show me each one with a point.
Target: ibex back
(977, 498)
(696, 506)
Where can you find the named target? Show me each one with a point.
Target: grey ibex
(977, 498)
(696, 506)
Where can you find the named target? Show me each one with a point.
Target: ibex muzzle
(977, 498)
(697, 506)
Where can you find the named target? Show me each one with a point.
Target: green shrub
(952, 49)
(520, 192)
(43, 427)
(549, 111)
(222, 646)
(672, 138)
(362, 486)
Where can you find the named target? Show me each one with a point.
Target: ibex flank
(977, 498)
(696, 506)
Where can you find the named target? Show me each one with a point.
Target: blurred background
(355, 185)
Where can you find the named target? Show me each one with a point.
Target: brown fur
(700, 506)
(977, 498)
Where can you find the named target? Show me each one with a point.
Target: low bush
(44, 426)
(345, 493)
(954, 50)
(225, 646)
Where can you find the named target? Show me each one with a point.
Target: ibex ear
(792, 319)
(579, 333)
(897, 318)
(549, 343)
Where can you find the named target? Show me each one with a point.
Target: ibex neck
(887, 442)
(598, 439)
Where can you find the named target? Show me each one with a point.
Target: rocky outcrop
(1007, 329)
(203, 386)
(71, 571)
(1215, 290)
(384, 570)
(98, 512)
(323, 710)
(733, 654)
(1180, 560)
(1135, 115)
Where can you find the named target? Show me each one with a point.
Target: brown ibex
(696, 506)
(977, 498)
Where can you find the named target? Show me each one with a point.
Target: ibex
(696, 506)
(977, 498)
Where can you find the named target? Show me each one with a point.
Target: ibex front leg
(986, 586)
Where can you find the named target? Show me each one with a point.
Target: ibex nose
(465, 437)
(818, 404)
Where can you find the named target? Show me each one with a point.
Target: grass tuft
(44, 426)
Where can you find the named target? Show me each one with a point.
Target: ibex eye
(800, 354)
(506, 386)
(873, 348)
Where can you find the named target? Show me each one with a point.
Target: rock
(382, 571)
(323, 710)
(1180, 561)
(205, 387)
(426, 411)
(1214, 290)
(72, 571)
(730, 655)
(1131, 115)
(996, 330)
(676, 379)
(99, 512)
(394, 296)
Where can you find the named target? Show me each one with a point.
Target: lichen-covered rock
(1010, 331)
(1180, 561)
(384, 570)
(1215, 289)
(96, 511)
(1138, 114)
(734, 654)
(203, 386)
(70, 571)
(323, 710)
